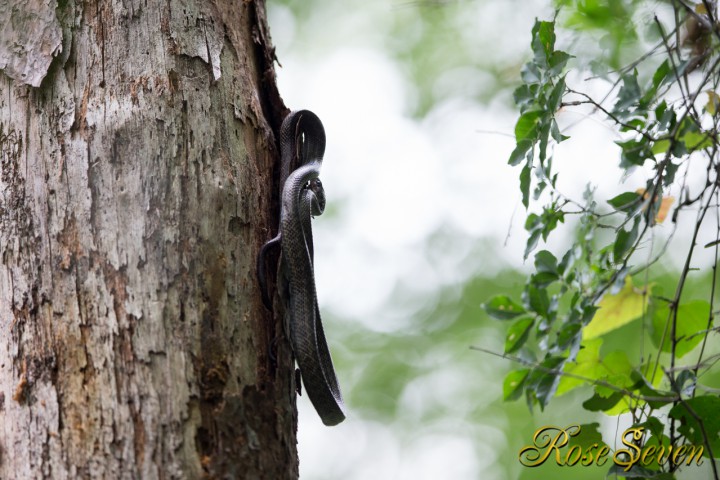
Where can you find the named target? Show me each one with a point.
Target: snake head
(318, 201)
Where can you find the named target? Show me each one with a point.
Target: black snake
(302, 145)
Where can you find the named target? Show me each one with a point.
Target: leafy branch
(572, 301)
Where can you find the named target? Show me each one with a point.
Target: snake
(302, 146)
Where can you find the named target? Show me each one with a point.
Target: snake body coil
(302, 143)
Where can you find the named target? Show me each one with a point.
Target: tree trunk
(137, 149)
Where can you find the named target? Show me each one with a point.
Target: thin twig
(671, 396)
(700, 422)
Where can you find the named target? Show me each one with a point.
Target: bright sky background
(394, 180)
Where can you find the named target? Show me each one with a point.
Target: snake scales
(302, 145)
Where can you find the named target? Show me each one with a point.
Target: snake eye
(315, 185)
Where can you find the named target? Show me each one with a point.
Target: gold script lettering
(545, 441)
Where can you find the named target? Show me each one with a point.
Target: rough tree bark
(137, 149)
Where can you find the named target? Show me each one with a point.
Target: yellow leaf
(713, 102)
(664, 209)
(665, 205)
(617, 310)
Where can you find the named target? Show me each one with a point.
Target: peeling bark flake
(30, 37)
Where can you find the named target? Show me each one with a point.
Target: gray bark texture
(137, 152)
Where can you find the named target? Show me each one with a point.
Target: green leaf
(545, 262)
(686, 376)
(501, 307)
(588, 437)
(586, 364)
(543, 279)
(661, 146)
(670, 170)
(660, 112)
(691, 138)
(666, 117)
(618, 369)
(696, 141)
(634, 153)
(544, 137)
(555, 132)
(626, 202)
(517, 334)
(625, 241)
(530, 74)
(568, 335)
(692, 317)
(599, 403)
(538, 300)
(629, 94)
(526, 126)
(524, 96)
(567, 261)
(616, 311)
(614, 368)
(557, 62)
(525, 185)
(644, 387)
(532, 242)
(521, 150)
(551, 215)
(539, 188)
(654, 425)
(662, 75)
(513, 384)
(543, 42)
(706, 408)
(532, 222)
(555, 98)
(542, 381)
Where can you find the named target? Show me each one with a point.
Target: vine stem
(676, 303)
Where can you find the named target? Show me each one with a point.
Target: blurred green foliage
(437, 44)
(612, 24)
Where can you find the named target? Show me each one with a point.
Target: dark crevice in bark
(273, 106)
(274, 110)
